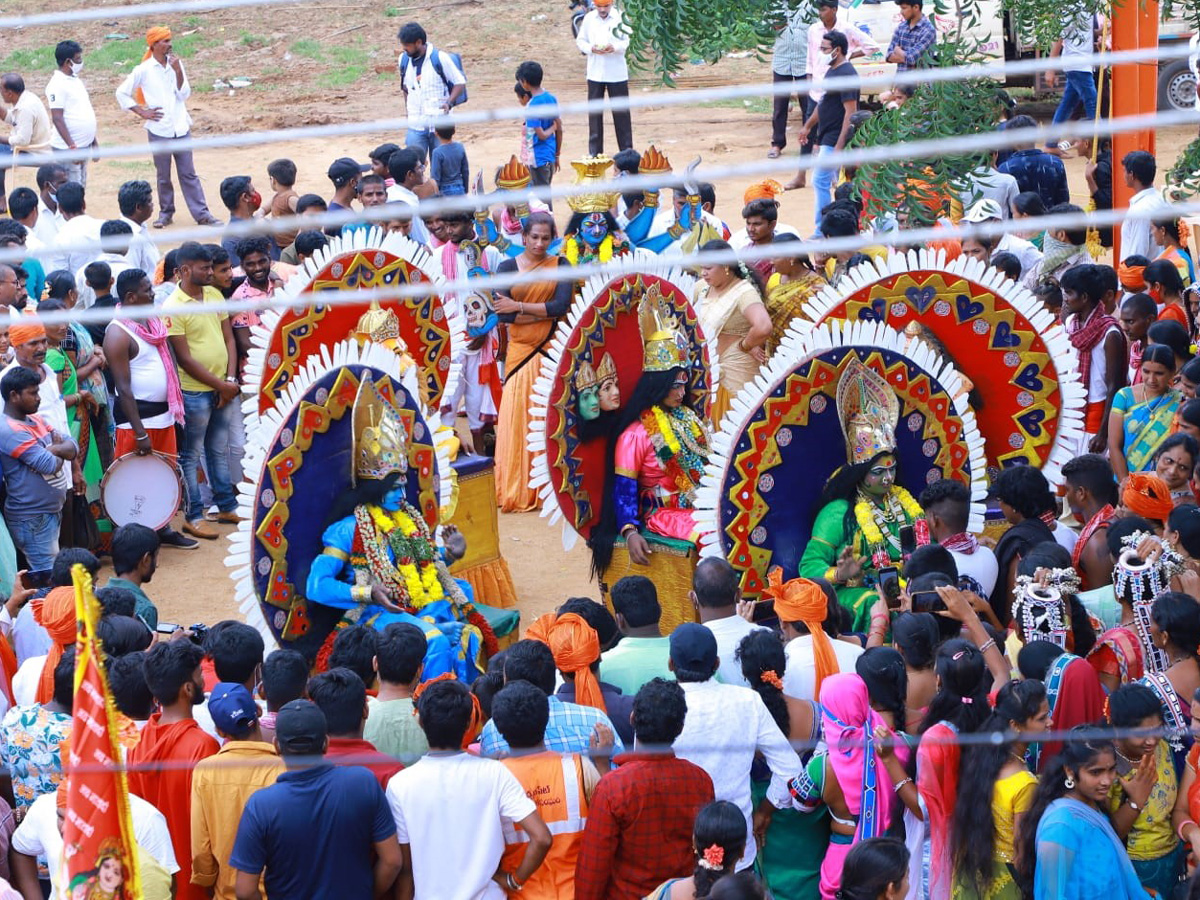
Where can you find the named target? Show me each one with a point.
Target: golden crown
(654, 162)
(585, 376)
(380, 326)
(607, 368)
(380, 444)
(514, 175)
(664, 345)
(590, 172)
(868, 410)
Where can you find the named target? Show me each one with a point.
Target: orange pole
(1134, 91)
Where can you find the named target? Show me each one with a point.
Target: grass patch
(193, 21)
(29, 59)
(343, 77)
(392, 12)
(134, 167)
(309, 49)
(353, 55)
(252, 40)
(755, 105)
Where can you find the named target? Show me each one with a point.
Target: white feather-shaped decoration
(1062, 355)
(297, 288)
(621, 267)
(802, 342)
(259, 442)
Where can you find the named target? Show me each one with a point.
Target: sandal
(774, 154)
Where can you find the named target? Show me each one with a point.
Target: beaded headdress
(379, 439)
(664, 344)
(1139, 581)
(590, 172)
(868, 410)
(1042, 608)
(607, 368)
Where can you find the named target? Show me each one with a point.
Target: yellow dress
(1011, 797)
(722, 317)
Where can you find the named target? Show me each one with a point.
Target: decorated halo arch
(283, 505)
(568, 469)
(284, 338)
(782, 438)
(994, 331)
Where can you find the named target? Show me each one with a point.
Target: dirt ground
(327, 63)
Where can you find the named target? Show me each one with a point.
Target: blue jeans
(822, 180)
(37, 537)
(1080, 88)
(207, 430)
(423, 138)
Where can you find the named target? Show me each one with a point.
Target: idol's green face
(881, 476)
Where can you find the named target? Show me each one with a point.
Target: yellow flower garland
(423, 586)
(864, 515)
(572, 244)
(665, 429)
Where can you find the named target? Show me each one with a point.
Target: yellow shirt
(1152, 836)
(221, 785)
(1011, 797)
(205, 337)
(155, 880)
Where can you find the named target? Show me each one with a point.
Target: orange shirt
(1175, 313)
(170, 789)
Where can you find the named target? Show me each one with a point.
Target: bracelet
(741, 344)
(1182, 825)
(901, 783)
(631, 526)
(141, 437)
(987, 645)
(520, 307)
(831, 575)
(360, 593)
(513, 884)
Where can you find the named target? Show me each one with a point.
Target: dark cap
(384, 152)
(233, 710)
(300, 728)
(343, 169)
(694, 648)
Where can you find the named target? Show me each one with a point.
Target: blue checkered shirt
(568, 731)
(1038, 171)
(915, 41)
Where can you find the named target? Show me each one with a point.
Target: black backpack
(435, 60)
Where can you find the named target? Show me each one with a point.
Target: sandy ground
(334, 62)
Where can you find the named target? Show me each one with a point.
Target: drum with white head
(144, 489)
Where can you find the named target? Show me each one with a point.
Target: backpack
(435, 59)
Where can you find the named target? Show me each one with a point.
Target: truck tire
(1176, 87)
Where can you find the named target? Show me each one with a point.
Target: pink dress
(645, 494)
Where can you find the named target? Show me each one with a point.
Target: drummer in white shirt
(70, 107)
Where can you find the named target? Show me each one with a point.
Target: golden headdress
(585, 376)
(380, 326)
(654, 162)
(514, 175)
(664, 345)
(380, 444)
(607, 368)
(868, 410)
(590, 172)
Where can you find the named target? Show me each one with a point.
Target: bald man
(30, 125)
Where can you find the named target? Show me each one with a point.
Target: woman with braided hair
(733, 311)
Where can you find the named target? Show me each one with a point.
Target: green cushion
(673, 546)
(503, 621)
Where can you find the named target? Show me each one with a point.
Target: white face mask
(76, 67)
(831, 57)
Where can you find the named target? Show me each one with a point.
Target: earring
(1069, 783)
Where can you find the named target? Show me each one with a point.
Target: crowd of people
(1017, 721)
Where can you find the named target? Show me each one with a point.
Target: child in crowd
(449, 167)
(379, 162)
(282, 175)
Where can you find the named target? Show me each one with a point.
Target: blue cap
(694, 648)
(233, 710)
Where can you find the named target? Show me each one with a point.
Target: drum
(143, 489)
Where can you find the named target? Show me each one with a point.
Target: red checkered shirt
(639, 827)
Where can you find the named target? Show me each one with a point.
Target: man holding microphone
(157, 91)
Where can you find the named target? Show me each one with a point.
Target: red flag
(99, 849)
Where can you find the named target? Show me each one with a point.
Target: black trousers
(780, 107)
(621, 121)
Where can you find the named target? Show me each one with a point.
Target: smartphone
(166, 628)
(764, 610)
(889, 583)
(908, 540)
(928, 601)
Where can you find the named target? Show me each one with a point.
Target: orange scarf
(56, 613)
(801, 600)
(575, 646)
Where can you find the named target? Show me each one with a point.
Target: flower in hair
(772, 678)
(713, 858)
(967, 700)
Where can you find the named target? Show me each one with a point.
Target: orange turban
(156, 34)
(1148, 496)
(801, 600)
(575, 646)
(25, 329)
(767, 189)
(1131, 277)
(56, 613)
(61, 795)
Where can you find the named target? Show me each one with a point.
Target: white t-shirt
(38, 834)
(70, 94)
(1078, 40)
(729, 632)
(980, 565)
(78, 241)
(800, 679)
(445, 805)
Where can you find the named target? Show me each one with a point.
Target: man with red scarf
(1091, 496)
(1100, 343)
